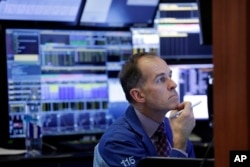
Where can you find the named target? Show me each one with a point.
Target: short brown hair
(130, 75)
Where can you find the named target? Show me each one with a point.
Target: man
(148, 87)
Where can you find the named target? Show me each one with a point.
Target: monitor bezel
(19, 143)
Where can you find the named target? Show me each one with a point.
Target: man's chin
(174, 105)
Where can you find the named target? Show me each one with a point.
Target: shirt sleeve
(178, 153)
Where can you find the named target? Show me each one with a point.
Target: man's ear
(137, 95)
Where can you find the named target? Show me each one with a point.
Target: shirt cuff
(178, 153)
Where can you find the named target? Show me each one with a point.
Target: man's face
(158, 89)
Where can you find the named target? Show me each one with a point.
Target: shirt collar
(149, 125)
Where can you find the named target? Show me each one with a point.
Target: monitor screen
(145, 40)
(191, 80)
(42, 10)
(179, 31)
(75, 72)
(113, 13)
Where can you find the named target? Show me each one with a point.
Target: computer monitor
(71, 67)
(41, 11)
(179, 31)
(191, 80)
(145, 40)
(122, 13)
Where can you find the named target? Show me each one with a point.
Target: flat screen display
(179, 31)
(42, 10)
(119, 13)
(74, 72)
(192, 83)
(145, 40)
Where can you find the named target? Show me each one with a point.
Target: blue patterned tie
(161, 142)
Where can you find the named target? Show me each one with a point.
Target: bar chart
(76, 91)
(63, 87)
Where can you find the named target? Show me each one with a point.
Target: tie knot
(160, 130)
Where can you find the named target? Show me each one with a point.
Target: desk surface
(47, 160)
(176, 162)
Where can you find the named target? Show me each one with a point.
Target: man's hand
(182, 124)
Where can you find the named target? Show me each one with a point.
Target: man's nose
(171, 84)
